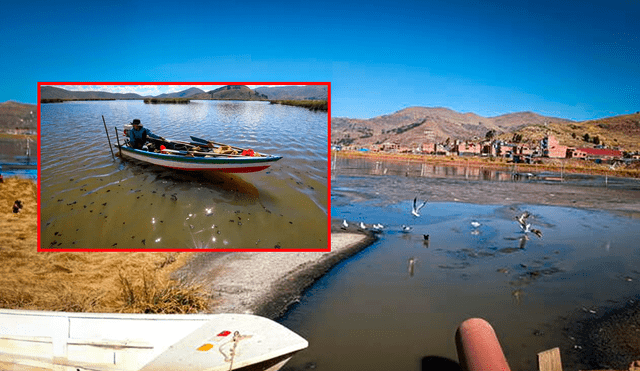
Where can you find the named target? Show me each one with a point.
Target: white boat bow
(41, 340)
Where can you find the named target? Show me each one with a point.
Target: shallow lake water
(90, 200)
(401, 299)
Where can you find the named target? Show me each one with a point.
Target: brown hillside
(18, 115)
(305, 92)
(622, 132)
(415, 125)
(231, 92)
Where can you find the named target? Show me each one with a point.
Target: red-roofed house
(602, 153)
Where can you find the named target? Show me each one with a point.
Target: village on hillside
(548, 147)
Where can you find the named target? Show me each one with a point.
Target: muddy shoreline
(267, 284)
(575, 166)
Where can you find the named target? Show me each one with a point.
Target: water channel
(401, 299)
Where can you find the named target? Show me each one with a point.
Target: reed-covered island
(314, 105)
(167, 100)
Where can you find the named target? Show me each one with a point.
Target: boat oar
(183, 143)
(173, 151)
(204, 141)
(106, 131)
(119, 146)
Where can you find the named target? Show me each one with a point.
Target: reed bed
(131, 282)
(166, 100)
(314, 105)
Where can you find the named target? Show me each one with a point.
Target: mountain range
(413, 126)
(233, 92)
(305, 92)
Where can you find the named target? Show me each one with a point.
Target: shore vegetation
(166, 100)
(127, 282)
(314, 105)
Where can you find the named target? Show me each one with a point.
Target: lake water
(9, 150)
(90, 200)
(379, 311)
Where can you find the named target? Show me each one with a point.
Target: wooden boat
(40, 340)
(200, 155)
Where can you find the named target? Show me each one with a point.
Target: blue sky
(570, 59)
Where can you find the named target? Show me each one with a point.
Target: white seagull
(526, 227)
(345, 225)
(378, 226)
(522, 219)
(362, 226)
(405, 228)
(415, 210)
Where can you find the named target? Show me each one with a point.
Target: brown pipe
(478, 347)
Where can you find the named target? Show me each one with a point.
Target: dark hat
(136, 122)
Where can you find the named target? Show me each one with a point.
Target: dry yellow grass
(83, 281)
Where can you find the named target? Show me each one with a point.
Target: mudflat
(265, 283)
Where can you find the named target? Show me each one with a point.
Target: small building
(442, 149)
(468, 149)
(428, 148)
(525, 150)
(390, 147)
(595, 153)
(552, 148)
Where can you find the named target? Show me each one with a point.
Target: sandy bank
(266, 283)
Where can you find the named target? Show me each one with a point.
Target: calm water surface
(376, 311)
(90, 200)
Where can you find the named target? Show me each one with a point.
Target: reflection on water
(401, 299)
(348, 166)
(91, 201)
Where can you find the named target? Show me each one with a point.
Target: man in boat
(138, 136)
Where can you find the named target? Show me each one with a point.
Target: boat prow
(36, 340)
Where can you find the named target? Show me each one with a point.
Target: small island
(313, 105)
(167, 100)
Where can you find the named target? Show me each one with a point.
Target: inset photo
(184, 166)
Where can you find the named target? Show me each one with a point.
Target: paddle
(204, 141)
(186, 144)
(173, 151)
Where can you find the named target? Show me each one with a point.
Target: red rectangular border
(327, 249)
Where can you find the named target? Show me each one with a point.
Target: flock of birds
(418, 205)
(521, 219)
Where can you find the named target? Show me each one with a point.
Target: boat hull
(94, 341)
(239, 164)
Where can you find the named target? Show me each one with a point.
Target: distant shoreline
(62, 100)
(574, 166)
(313, 105)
